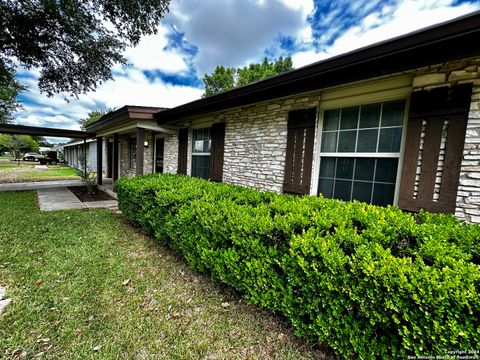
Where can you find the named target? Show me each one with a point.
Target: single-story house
(397, 123)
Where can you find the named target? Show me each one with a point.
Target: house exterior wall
(256, 135)
(256, 141)
(125, 169)
(450, 74)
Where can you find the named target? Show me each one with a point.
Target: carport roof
(42, 131)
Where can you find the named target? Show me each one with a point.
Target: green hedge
(371, 282)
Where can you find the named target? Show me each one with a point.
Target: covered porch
(133, 142)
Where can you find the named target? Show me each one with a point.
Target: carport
(43, 131)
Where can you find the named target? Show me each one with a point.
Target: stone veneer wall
(170, 154)
(125, 169)
(453, 73)
(255, 142)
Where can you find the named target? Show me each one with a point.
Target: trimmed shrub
(370, 282)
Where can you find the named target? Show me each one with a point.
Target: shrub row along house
(397, 123)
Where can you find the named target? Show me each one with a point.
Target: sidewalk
(55, 195)
(26, 186)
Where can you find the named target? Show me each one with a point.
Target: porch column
(99, 160)
(85, 164)
(140, 150)
(115, 155)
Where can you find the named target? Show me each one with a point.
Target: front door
(159, 145)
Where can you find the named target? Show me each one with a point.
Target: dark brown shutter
(434, 107)
(299, 154)
(182, 151)
(216, 157)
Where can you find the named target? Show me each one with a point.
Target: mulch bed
(81, 193)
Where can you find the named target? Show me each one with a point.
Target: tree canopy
(18, 144)
(9, 90)
(92, 117)
(223, 79)
(73, 43)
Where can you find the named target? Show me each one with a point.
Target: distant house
(394, 123)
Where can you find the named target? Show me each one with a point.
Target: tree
(223, 79)
(73, 43)
(9, 90)
(18, 144)
(92, 117)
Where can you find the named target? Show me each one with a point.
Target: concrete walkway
(29, 186)
(55, 195)
(58, 198)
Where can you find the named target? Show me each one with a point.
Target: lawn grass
(85, 284)
(54, 172)
(12, 166)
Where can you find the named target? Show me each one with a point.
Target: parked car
(31, 156)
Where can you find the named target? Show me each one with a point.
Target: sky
(166, 69)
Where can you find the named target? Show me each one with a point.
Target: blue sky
(166, 69)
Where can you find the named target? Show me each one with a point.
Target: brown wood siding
(217, 152)
(299, 152)
(182, 151)
(434, 107)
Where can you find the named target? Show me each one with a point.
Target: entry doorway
(159, 150)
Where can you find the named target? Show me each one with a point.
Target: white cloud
(409, 16)
(130, 88)
(231, 32)
(136, 89)
(150, 54)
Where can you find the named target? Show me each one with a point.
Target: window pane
(201, 142)
(383, 194)
(327, 167)
(346, 141)
(343, 189)
(345, 168)
(386, 170)
(349, 118)
(390, 140)
(200, 166)
(364, 169)
(370, 116)
(329, 141)
(325, 187)
(362, 191)
(331, 119)
(393, 112)
(367, 140)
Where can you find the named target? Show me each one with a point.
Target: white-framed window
(201, 149)
(360, 151)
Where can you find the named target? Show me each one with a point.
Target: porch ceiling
(132, 125)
